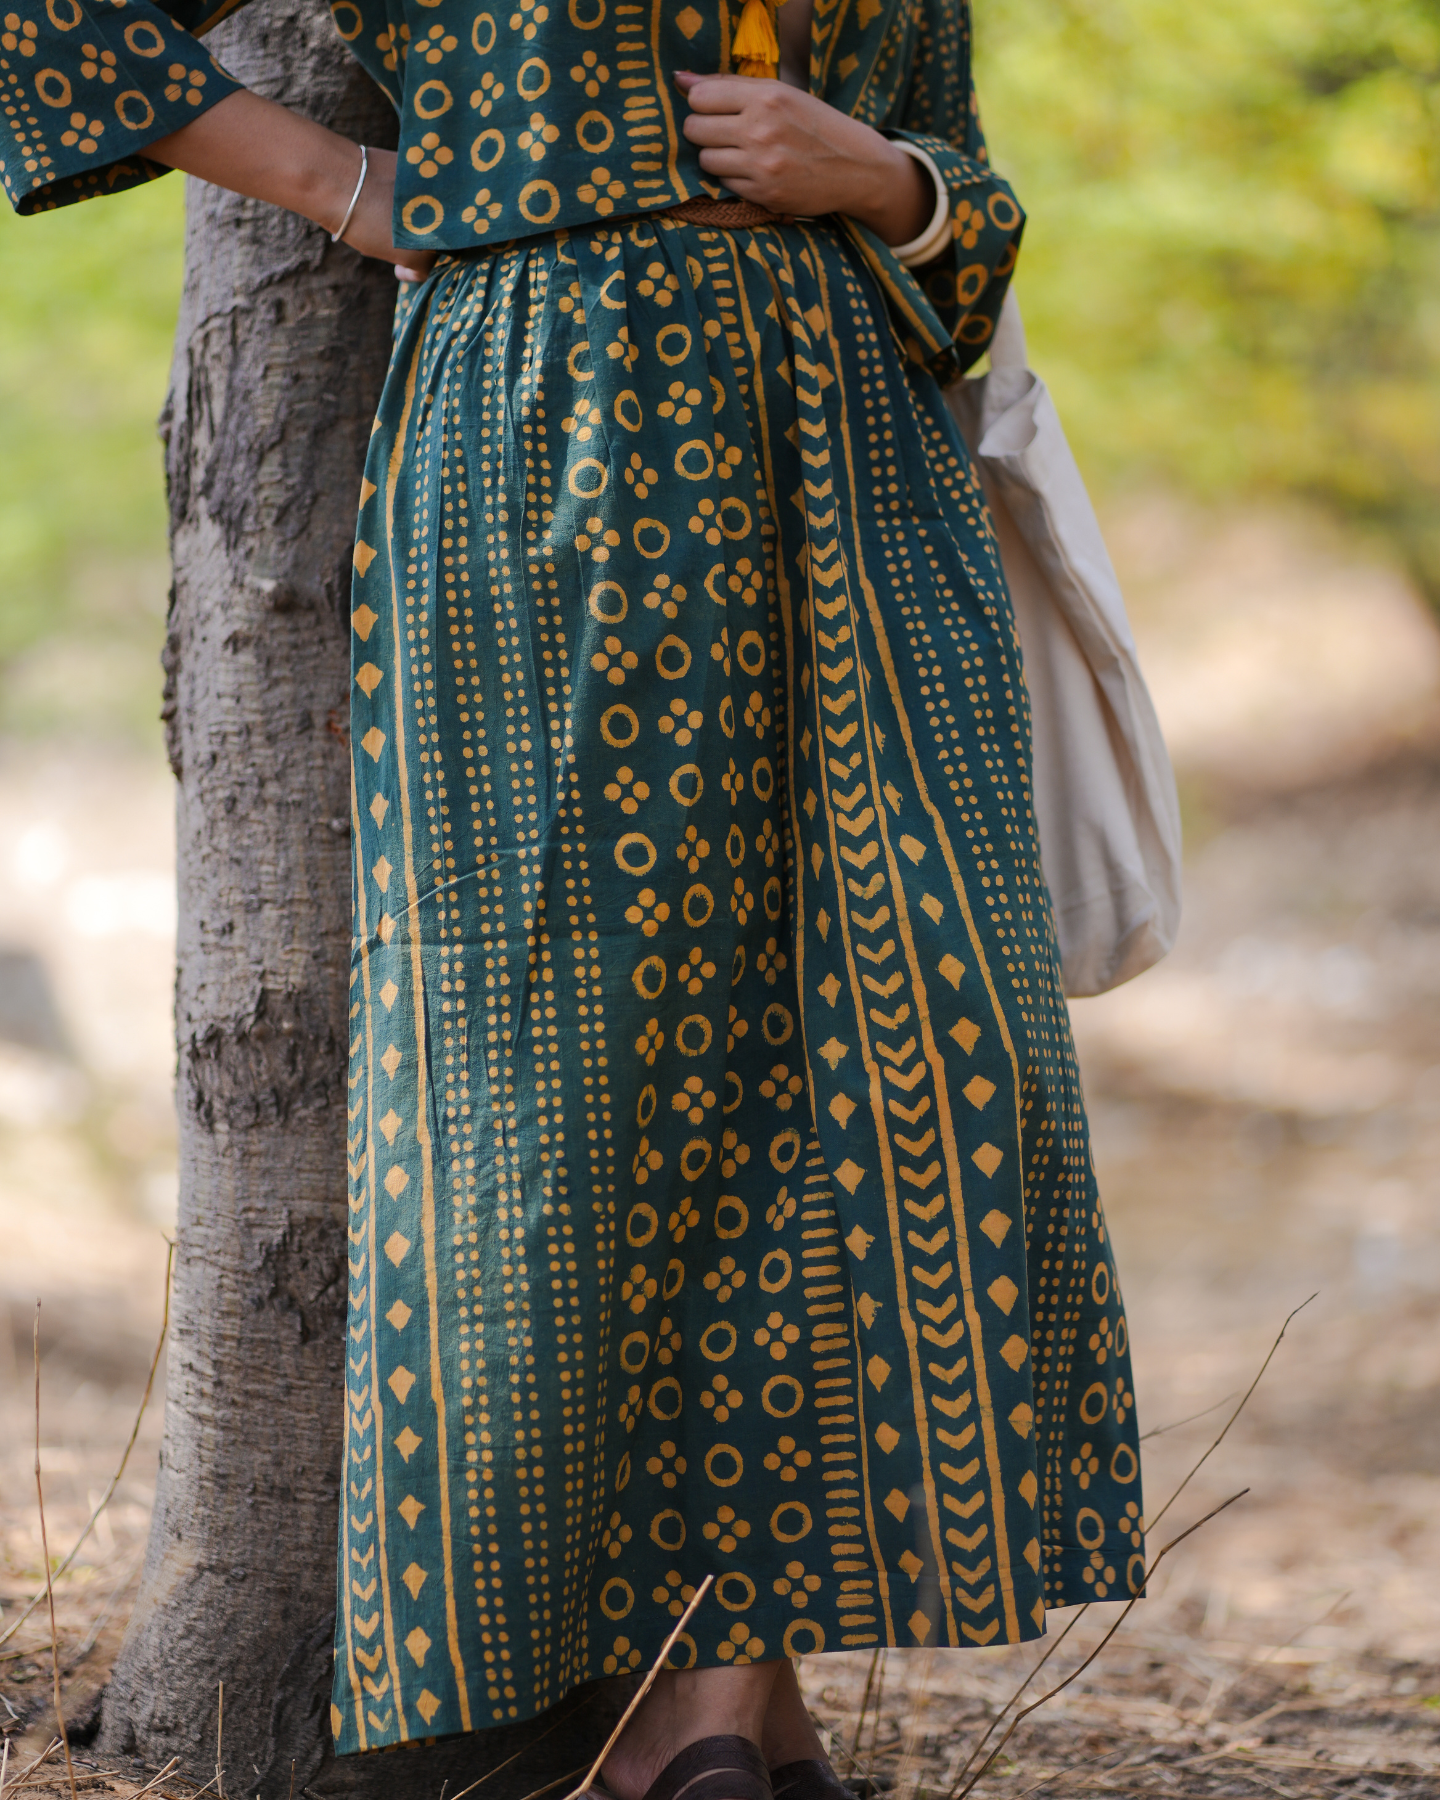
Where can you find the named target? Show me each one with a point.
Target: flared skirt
(721, 1195)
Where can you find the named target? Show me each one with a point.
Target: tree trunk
(281, 350)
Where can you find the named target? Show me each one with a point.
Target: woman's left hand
(790, 152)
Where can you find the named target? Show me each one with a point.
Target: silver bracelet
(335, 236)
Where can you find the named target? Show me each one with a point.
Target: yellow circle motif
(410, 215)
(695, 898)
(726, 1586)
(792, 1391)
(590, 467)
(483, 19)
(530, 201)
(669, 358)
(487, 149)
(726, 1334)
(146, 117)
(144, 39)
(594, 132)
(635, 854)
(668, 1387)
(1094, 1402)
(791, 1641)
(432, 98)
(687, 773)
(790, 1533)
(1089, 1528)
(649, 1223)
(712, 1465)
(649, 978)
(540, 79)
(54, 88)
(775, 1272)
(649, 526)
(731, 1203)
(635, 1352)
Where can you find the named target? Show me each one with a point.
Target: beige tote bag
(1105, 801)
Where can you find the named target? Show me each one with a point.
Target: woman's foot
(681, 1709)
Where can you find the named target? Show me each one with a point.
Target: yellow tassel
(756, 49)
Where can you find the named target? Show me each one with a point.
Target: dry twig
(116, 1478)
(49, 1581)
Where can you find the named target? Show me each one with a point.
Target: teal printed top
(560, 113)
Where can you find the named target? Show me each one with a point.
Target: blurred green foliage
(1231, 272)
(88, 297)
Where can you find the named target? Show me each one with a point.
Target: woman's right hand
(369, 230)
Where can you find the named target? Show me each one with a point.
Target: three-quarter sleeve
(85, 85)
(949, 307)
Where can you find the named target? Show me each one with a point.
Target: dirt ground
(1266, 1113)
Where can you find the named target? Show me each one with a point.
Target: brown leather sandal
(714, 1768)
(808, 1780)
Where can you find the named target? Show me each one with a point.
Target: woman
(721, 1180)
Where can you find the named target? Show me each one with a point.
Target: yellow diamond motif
(417, 1644)
(414, 1577)
(887, 1437)
(368, 677)
(1014, 1351)
(1031, 1553)
(388, 994)
(399, 1313)
(373, 742)
(397, 1247)
(364, 619)
(426, 1704)
(689, 21)
(1021, 1419)
(849, 1175)
(929, 904)
(858, 1242)
(911, 1564)
(382, 873)
(877, 1368)
(396, 1182)
(337, 1720)
(987, 1159)
(833, 1051)
(1037, 1613)
(379, 806)
(390, 1061)
(829, 990)
(410, 1510)
(407, 1444)
(400, 1384)
(952, 969)
(896, 1504)
(822, 924)
(1004, 1293)
(867, 1309)
(364, 556)
(995, 1225)
(386, 928)
(367, 488)
(390, 1124)
(840, 1109)
(920, 1627)
(978, 1090)
(1029, 1487)
(966, 1035)
(913, 848)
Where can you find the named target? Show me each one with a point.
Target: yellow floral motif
(614, 661)
(732, 1152)
(615, 1536)
(184, 82)
(676, 1594)
(601, 191)
(647, 1160)
(1124, 1399)
(669, 1465)
(742, 901)
(795, 1582)
(435, 44)
(733, 783)
(630, 1409)
(649, 912)
(679, 400)
(1102, 1340)
(683, 720)
(705, 520)
(725, 1529)
(694, 1100)
(393, 45)
(83, 133)
(779, 1336)
(622, 347)
(17, 36)
(591, 72)
(527, 27)
(781, 1208)
(490, 90)
(638, 1288)
(628, 789)
(693, 973)
(600, 542)
(668, 603)
(97, 62)
(735, 1028)
(968, 223)
(650, 1042)
(429, 155)
(782, 1087)
(744, 579)
(722, 1399)
(692, 850)
(667, 1344)
(623, 1657)
(772, 960)
(482, 212)
(1085, 1465)
(582, 422)
(684, 1218)
(663, 285)
(757, 717)
(727, 461)
(767, 844)
(1132, 1525)
(1098, 1574)
(740, 1647)
(642, 480)
(724, 1281)
(539, 136)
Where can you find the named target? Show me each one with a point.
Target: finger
(728, 164)
(719, 93)
(713, 129)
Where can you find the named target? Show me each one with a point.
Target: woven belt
(728, 215)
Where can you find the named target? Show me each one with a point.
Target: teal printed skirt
(721, 1194)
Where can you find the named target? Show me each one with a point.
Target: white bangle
(936, 235)
(335, 236)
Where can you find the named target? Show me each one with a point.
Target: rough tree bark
(280, 354)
